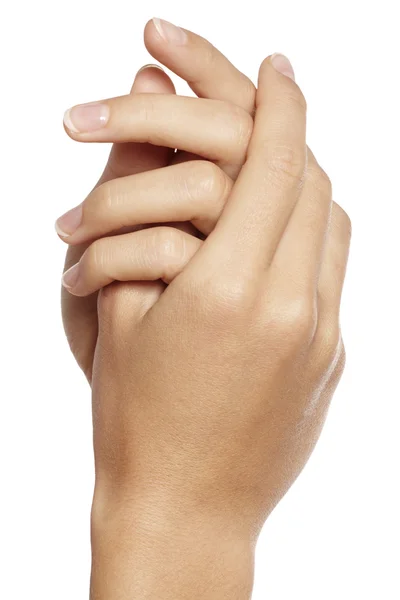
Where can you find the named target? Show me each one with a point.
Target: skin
(192, 62)
(209, 394)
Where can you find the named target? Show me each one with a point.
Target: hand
(209, 398)
(196, 61)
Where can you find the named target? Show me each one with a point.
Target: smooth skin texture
(209, 395)
(204, 67)
(209, 399)
(122, 198)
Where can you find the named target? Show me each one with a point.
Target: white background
(336, 534)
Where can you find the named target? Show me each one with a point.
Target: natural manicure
(85, 118)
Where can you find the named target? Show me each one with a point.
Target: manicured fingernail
(282, 64)
(170, 33)
(85, 118)
(150, 66)
(68, 223)
(70, 277)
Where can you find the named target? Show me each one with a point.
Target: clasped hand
(202, 300)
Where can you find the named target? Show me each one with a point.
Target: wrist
(149, 550)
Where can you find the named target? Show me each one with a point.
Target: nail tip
(72, 271)
(282, 64)
(68, 122)
(59, 231)
(158, 26)
(169, 32)
(64, 284)
(150, 66)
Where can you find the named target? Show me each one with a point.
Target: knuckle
(147, 110)
(212, 180)
(285, 163)
(320, 180)
(112, 295)
(299, 315)
(99, 258)
(245, 127)
(341, 362)
(331, 338)
(119, 300)
(227, 298)
(206, 187)
(341, 221)
(102, 200)
(248, 94)
(95, 257)
(296, 97)
(145, 106)
(292, 322)
(169, 244)
(240, 123)
(328, 343)
(208, 59)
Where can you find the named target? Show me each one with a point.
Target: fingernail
(282, 64)
(85, 118)
(150, 66)
(70, 277)
(169, 32)
(69, 222)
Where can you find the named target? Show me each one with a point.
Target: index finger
(270, 182)
(207, 71)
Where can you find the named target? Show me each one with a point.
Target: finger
(80, 314)
(213, 129)
(270, 182)
(334, 263)
(192, 191)
(122, 304)
(149, 254)
(130, 158)
(152, 79)
(207, 71)
(298, 258)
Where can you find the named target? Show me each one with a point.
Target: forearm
(154, 553)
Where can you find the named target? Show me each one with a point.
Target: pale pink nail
(170, 33)
(68, 223)
(150, 66)
(282, 64)
(70, 277)
(85, 118)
